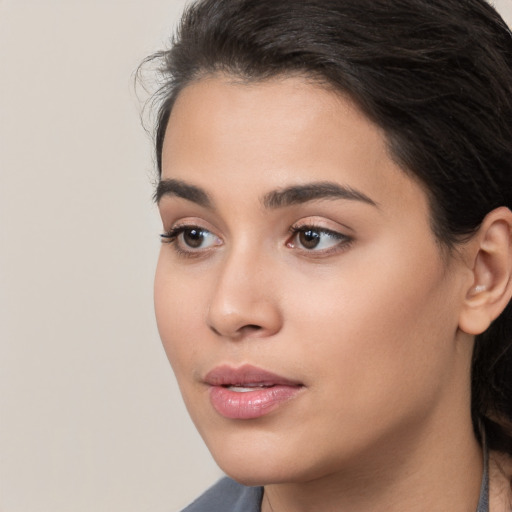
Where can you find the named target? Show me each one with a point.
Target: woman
(333, 290)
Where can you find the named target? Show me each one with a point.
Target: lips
(248, 392)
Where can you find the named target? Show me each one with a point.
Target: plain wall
(90, 414)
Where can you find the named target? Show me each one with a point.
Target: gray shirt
(228, 496)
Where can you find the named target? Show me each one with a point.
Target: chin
(275, 470)
(258, 474)
(259, 460)
(251, 478)
(254, 460)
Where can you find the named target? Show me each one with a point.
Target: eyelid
(187, 222)
(318, 225)
(174, 234)
(176, 231)
(323, 223)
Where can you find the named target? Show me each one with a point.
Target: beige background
(90, 415)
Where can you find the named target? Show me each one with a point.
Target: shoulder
(228, 496)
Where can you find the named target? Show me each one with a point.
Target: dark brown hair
(435, 75)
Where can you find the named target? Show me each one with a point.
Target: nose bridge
(243, 300)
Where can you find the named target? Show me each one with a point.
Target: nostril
(245, 330)
(249, 329)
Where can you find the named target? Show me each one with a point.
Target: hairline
(231, 75)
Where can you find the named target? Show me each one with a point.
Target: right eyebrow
(178, 188)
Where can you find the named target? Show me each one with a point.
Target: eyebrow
(178, 188)
(295, 194)
(298, 194)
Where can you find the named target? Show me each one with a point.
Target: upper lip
(246, 375)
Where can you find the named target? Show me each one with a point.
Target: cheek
(179, 315)
(373, 327)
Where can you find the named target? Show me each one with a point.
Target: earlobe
(491, 260)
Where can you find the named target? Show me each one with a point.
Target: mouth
(248, 392)
(248, 388)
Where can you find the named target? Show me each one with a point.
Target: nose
(244, 302)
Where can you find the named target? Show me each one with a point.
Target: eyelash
(343, 241)
(171, 237)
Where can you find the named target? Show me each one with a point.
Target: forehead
(255, 137)
(226, 113)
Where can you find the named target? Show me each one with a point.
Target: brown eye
(317, 240)
(191, 239)
(309, 239)
(194, 237)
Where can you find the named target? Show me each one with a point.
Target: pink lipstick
(248, 392)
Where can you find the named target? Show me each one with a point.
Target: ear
(491, 272)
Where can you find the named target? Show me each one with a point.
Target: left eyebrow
(299, 194)
(178, 188)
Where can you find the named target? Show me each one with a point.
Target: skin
(368, 323)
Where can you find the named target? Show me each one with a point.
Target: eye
(311, 238)
(190, 238)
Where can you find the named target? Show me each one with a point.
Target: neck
(437, 466)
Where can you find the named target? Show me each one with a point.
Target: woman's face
(302, 299)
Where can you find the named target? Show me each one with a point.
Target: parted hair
(435, 75)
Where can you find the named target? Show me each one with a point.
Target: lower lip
(251, 404)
